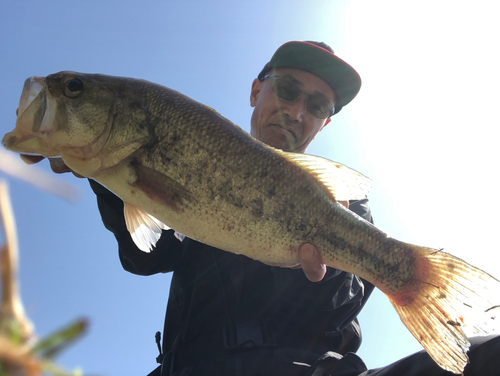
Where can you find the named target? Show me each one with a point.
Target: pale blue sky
(423, 128)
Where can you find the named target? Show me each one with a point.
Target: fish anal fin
(343, 182)
(159, 187)
(144, 229)
(444, 302)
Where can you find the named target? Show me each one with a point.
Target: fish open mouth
(34, 118)
(32, 87)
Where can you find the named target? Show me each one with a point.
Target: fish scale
(178, 164)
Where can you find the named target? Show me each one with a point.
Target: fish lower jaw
(27, 144)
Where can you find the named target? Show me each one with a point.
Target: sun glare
(427, 107)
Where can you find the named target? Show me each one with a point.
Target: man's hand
(56, 164)
(310, 259)
(311, 263)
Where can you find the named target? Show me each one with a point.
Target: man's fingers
(58, 166)
(345, 203)
(31, 159)
(311, 262)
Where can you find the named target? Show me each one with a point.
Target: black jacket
(220, 302)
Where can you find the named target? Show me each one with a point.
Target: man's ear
(254, 94)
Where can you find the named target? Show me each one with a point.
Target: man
(229, 315)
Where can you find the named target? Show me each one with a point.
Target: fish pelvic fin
(444, 302)
(144, 229)
(159, 187)
(343, 182)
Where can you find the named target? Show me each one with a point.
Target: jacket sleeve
(163, 258)
(361, 208)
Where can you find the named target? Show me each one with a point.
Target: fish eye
(73, 88)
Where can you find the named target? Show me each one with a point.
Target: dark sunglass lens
(319, 107)
(286, 90)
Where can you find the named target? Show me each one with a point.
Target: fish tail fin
(444, 302)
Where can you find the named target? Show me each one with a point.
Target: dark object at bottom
(484, 361)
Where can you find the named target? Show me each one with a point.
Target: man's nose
(296, 110)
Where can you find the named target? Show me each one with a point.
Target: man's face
(287, 125)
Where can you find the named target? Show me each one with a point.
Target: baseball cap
(318, 58)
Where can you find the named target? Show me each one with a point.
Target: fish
(179, 164)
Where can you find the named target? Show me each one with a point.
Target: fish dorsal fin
(343, 182)
(143, 227)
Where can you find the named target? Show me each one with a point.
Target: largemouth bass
(178, 164)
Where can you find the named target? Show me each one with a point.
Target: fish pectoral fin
(143, 227)
(343, 182)
(159, 187)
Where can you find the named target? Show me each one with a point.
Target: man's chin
(279, 138)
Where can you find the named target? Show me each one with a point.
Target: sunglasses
(316, 104)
